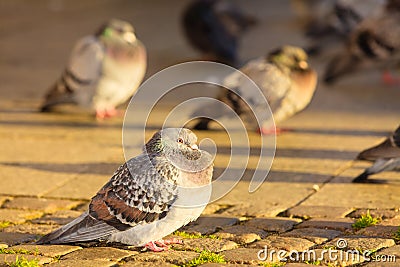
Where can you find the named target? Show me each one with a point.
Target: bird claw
(389, 80)
(102, 114)
(162, 245)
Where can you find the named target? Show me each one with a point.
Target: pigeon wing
(137, 193)
(78, 82)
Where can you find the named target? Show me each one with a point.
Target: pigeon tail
(361, 178)
(84, 228)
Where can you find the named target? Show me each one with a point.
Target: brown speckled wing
(138, 192)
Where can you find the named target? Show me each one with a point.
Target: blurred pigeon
(147, 198)
(374, 42)
(285, 79)
(103, 71)
(330, 22)
(386, 157)
(214, 27)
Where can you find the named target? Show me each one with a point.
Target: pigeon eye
(180, 140)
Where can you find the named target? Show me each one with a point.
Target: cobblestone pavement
(52, 164)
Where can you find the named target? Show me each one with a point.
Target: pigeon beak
(130, 37)
(303, 65)
(194, 147)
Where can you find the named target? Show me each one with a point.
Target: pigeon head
(179, 146)
(289, 58)
(118, 32)
(173, 140)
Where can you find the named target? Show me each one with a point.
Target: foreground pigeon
(147, 198)
(214, 27)
(374, 42)
(386, 157)
(285, 79)
(104, 70)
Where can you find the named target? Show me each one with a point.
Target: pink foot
(162, 245)
(102, 114)
(389, 80)
(271, 131)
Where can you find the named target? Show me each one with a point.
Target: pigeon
(214, 27)
(329, 23)
(375, 42)
(285, 79)
(386, 157)
(148, 197)
(104, 71)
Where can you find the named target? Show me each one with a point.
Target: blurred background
(36, 38)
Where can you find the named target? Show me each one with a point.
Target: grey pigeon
(147, 198)
(214, 27)
(386, 157)
(104, 70)
(329, 22)
(285, 79)
(375, 42)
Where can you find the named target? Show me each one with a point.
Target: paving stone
(32, 182)
(360, 196)
(212, 264)
(37, 229)
(383, 213)
(384, 231)
(16, 238)
(213, 245)
(209, 224)
(341, 224)
(384, 264)
(2, 200)
(82, 263)
(247, 256)
(268, 200)
(284, 243)
(18, 216)
(324, 257)
(42, 204)
(99, 253)
(171, 256)
(363, 242)
(392, 221)
(308, 212)
(386, 257)
(11, 258)
(60, 217)
(273, 224)
(241, 233)
(211, 209)
(315, 235)
(147, 264)
(47, 250)
(84, 186)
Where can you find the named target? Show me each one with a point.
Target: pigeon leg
(389, 80)
(169, 241)
(112, 112)
(162, 245)
(156, 246)
(272, 130)
(100, 114)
